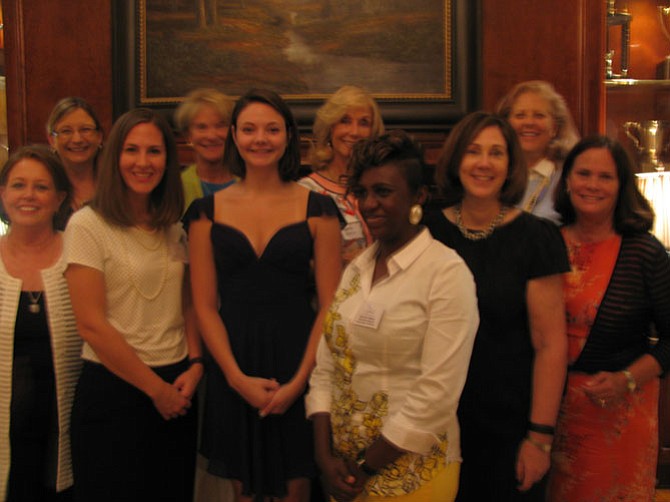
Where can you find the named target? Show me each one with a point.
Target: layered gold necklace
(477, 235)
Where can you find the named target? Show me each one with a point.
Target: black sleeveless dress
(266, 306)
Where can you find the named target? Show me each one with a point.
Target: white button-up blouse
(394, 358)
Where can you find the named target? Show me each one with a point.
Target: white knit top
(66, 350)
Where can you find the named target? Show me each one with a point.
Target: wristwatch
(630, 381)
(363, 466)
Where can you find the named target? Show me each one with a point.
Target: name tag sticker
(352, 231)
(369, 315)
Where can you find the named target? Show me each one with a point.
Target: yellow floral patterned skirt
(442, 488)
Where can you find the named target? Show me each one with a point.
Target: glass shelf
(633, 82)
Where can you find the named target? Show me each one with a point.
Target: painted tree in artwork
(207, 13)
(300, 47)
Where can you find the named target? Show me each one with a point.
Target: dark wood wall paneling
(55, 49)
(555, 41)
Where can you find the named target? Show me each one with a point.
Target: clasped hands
(267, 395)
(174, 400)
(606, 388)
(342, 478)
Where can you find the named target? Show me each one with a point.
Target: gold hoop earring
(415, 214)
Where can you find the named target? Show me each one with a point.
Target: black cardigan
(636, 305)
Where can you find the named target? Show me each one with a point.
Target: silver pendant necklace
(34, 307)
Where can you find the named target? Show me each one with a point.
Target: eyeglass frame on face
(85, 132)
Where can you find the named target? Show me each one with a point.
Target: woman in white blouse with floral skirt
(396, 346)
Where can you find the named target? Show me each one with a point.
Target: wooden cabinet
(640, 96)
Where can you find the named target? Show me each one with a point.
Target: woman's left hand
(187, 382)
(606, 388)
(531, 465)
(282, 399)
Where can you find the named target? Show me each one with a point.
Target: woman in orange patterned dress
(617, 296)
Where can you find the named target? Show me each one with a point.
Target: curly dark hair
(395, 147)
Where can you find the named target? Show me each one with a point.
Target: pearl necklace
(136, 236)
(477, 235)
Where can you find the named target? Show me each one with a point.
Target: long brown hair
(166, 201)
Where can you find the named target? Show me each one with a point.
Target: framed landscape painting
(418, 58)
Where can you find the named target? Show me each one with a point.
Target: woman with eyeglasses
(75, 134)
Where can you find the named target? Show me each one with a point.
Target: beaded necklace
(477, 235)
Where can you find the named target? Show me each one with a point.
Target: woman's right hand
(169, 402)
(338, 480)
(256, 391)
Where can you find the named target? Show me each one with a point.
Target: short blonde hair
(344, 99)
(566, 132)
(195, 100)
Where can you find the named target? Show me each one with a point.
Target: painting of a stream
(301, 48)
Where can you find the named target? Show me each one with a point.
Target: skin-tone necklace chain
(477, 235)
(340, 179)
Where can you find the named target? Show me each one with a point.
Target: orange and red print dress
(616, 288)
